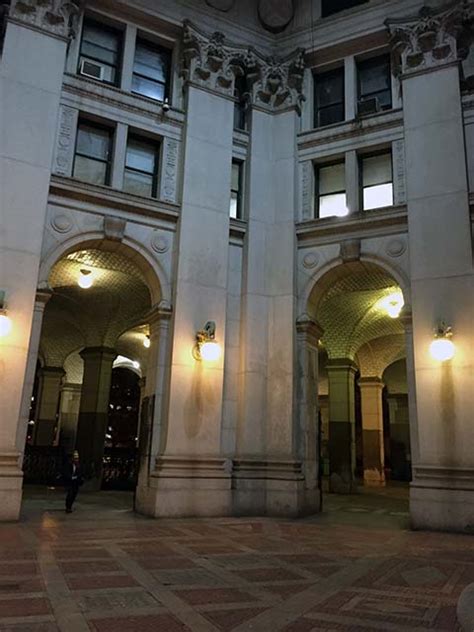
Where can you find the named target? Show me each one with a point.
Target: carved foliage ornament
(432, 38)
(270, 82)
(56, 16)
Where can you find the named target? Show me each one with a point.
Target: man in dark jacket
(73, 479)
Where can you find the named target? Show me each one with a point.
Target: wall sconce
(5, 321)
(85, 279)
(146, 342)
(442, 348)
(206, 347)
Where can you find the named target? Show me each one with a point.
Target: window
(329, 97)
(328, 7)
(100, 51)
(331, 187)
(151, 70)
(236, 190)
(240, 118)
(377, 181)
(92, 157)
(141, 166)
(374, 81)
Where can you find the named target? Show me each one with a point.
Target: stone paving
(354, 568)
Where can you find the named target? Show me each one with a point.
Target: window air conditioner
(368, 106)
(91, 69)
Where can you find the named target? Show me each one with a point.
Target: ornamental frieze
(56, 16)
(212, 62)
(432, 38)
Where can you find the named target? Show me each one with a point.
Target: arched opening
(95, 346)
(362, 388)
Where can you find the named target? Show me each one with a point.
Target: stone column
(440, 241)
(93, 410)
(46, 421)
(69, 415)
(31, 75)
(372, 431)
(342, 452)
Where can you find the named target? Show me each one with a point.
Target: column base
(272, 488)
(186, 487)
(442, 499)
(374, 478)
(11, 481)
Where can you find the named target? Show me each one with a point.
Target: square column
(342, 452)
(46, 421)
(372, 431)
(69, 415)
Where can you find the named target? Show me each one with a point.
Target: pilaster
(372, 431)
(46, 421)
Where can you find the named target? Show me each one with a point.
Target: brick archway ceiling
(377, 354)
(76, 318)
(348, 312)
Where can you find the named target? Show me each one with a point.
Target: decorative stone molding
(309, 329)
(159, 243)
(433, 38)
(65, 140)
(306, 186)
(114, 228)
(62, 222)
(399, 171)
(213, 63)
(275, 15)
(350, 250)
(396, 247)
(169, 173)
(58, 17)
(310, 260)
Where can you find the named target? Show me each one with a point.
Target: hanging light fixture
(442, 348)
(392, 304)
(85, 279)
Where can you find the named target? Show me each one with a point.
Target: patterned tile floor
(354, 568)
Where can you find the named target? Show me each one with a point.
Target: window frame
(317, 168)
(154, 47)
(372, 61)
(339, 72)
(108, 162)
(361, 158)
(111, 29)
(324, 14)
(240, 110)
(156, 145)
(239, 191)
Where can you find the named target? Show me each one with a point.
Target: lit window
(235, 210)
(151, 71)
(100, 51)
(140, 167)
(377, 181)
(329, 98)
(328, 7)
(374, 82)
(92, 156)
(331, 183)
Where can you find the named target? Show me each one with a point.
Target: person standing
(73, 479)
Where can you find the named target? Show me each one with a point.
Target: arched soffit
(374, 356)
(150, 269)
(395, 376)
(346, 304)
(74, 367)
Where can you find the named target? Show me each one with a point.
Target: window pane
(141, 156)
(90, 170)
(330, 88)
(151, 63)
(239, 116)
(377, 169)
(331, 114)
(104, 37)
(99, 53)
(235, 182)
(332, 179)
(375, 80)
(138, 183)
(233, 205)
(93, 142)
(378, 196)
(148, 88)
(333, 205)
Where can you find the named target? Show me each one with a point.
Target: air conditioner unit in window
(368, 106)
(91, 69)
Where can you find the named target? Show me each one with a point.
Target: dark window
(331, 187)
(100, 51)
(240, 114)
(377, 181)
(93, 149)
(328, 7)
(235, 210)
(151, 71)
(374, 81)
(329, 97)
(141, 166)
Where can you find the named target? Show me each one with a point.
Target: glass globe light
(210, 351)
(5, 324)
(442, 349)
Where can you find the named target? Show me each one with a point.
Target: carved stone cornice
(433, 38)
(212, 62)
(58, 17)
